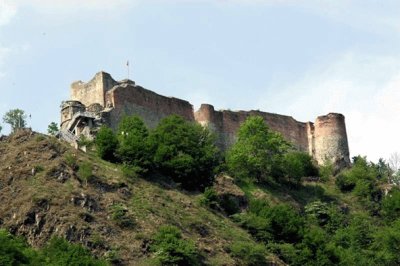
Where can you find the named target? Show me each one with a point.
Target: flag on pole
(127, 63)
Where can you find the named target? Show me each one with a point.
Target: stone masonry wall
(324, 140)
(226, 124)
(128, 99)
(94, 90)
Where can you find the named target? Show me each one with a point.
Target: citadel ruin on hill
(104, 101)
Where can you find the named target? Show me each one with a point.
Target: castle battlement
(103, 100)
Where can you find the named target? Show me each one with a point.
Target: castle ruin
(105, 101)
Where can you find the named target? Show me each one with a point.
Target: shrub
(386, 245)
(171, 249)
(229, 204)
(83, 141)
(391, 205)
(131, 171)
(70, 160)
(319, 211)
(279, 223)
(209, 198)
(85, 172)
(38, 168)
(297, 165)
(257, 152)
(133, 146)
(326, 170)
(60, 252)
(345, 182)
(184, 151)
(285, 223)
(14, 251)
(106, 143)
(249, 253)
(120, 215)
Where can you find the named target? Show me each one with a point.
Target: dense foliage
(171, 249)
(15, 251)
(106, 143)
(264, 156)
(133, 146)
(258, 152)
(177, 148)
(356, 224)
(185, 151)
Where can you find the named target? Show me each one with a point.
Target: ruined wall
(68, 109)
(226, 124)
(94, 90)
(128, 99)
(330, 140)
(326, 139)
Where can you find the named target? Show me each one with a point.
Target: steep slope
(43, 194)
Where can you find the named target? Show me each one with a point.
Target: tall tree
(132, 139)
(184, 151)
(16, 118)
(52, 129)
(258, 151)
(106, 143)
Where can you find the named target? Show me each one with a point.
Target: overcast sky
(302, 58)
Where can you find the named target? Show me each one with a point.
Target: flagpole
(127, 65)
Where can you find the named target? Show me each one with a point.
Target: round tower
(68, 109)
(330, 140)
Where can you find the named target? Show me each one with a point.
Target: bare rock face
(231, 198)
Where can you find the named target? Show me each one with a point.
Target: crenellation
(105, 101)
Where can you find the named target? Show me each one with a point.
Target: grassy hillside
(50, 189)
(274, 210)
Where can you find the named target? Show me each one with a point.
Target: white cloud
(7, 11)
(366, 89)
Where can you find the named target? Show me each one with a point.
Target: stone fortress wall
(326, 139)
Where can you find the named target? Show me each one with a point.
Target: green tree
(184, 151)
(52, 129)
(106, 143)
(258, 153)
(1, 128)
(133, 146)
(16, 118)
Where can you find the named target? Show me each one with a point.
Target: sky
(302, 58)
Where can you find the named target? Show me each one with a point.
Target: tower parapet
(93, 91)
